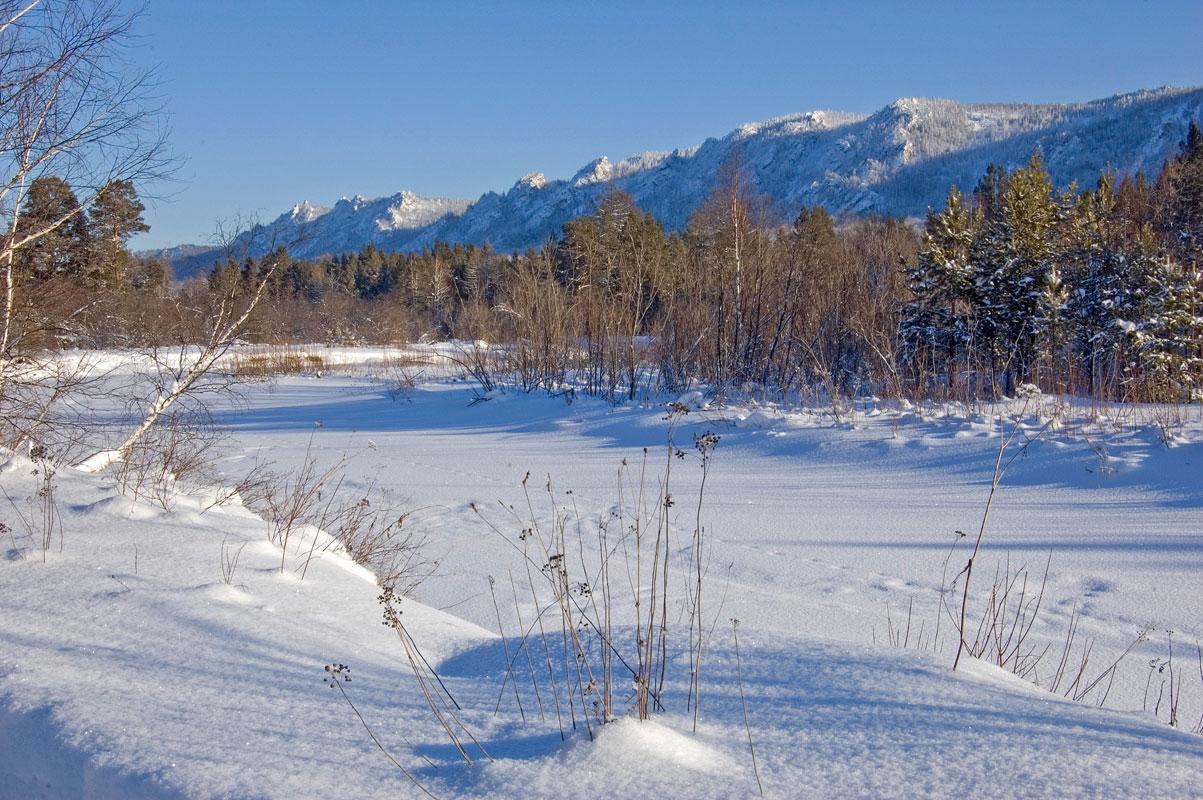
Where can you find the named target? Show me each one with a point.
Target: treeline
(1093, 291)
(89, 247)
(616, 305)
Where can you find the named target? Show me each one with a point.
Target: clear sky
(274, 102)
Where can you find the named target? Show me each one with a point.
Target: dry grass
(277, 361)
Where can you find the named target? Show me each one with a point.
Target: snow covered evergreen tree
(1170, 336)
(1016, 279)
(1106, 270)
(937, 323)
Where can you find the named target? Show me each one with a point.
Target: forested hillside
(897, 162)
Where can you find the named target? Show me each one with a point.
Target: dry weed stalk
(336, 676)
(1007, 620)
(271, 362)
(229, 561)
(1000, 468)
(569, 568)
(433, 689)
(1169, 689)
(739, 676)
(43, 521)
(1010, 610)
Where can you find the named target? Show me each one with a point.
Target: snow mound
(755, 419)
(657, 746)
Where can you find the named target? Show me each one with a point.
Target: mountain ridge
(899, 160)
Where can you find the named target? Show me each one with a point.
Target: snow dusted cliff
(897, 161)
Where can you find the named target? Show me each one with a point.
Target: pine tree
(367, 266)
(51, 203)
(223, 278)
(157, 276)
(114, 216)
(987, 195)
(1106, 273)
(1180, 195)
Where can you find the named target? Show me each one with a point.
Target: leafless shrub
(402, 380)
(1006, 621)
(176, 455)
(250, 490)
(40, 402)
(40, 518)
(373, 532)
(481, 364)
(364, 522)
(293, 499)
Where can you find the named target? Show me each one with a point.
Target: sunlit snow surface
(128, 668)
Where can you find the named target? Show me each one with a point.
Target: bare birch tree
(72, 106)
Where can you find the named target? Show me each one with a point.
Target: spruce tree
(1170, 335)
(938, 318)
(1180, 196)
(157, 276)
(1106, 273)
(1017, 283)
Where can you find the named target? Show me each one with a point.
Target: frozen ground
(130, 668)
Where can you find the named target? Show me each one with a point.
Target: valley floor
(135, 662)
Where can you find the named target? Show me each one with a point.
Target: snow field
(130, 668)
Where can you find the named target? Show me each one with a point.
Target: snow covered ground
(136, 662)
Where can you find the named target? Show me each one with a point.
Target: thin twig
(739, 676)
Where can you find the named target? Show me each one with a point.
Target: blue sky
(273, 102)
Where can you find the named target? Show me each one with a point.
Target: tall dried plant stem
(997, 476)
(739, 676)
(509, 663)
(337, 679)
(529, 660)
(433, 697)
(999, 470)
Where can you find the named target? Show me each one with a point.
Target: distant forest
(1095, 291)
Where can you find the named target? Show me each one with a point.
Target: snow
(99, 461)
(599, 170)
(130, 667)
(531, 180)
